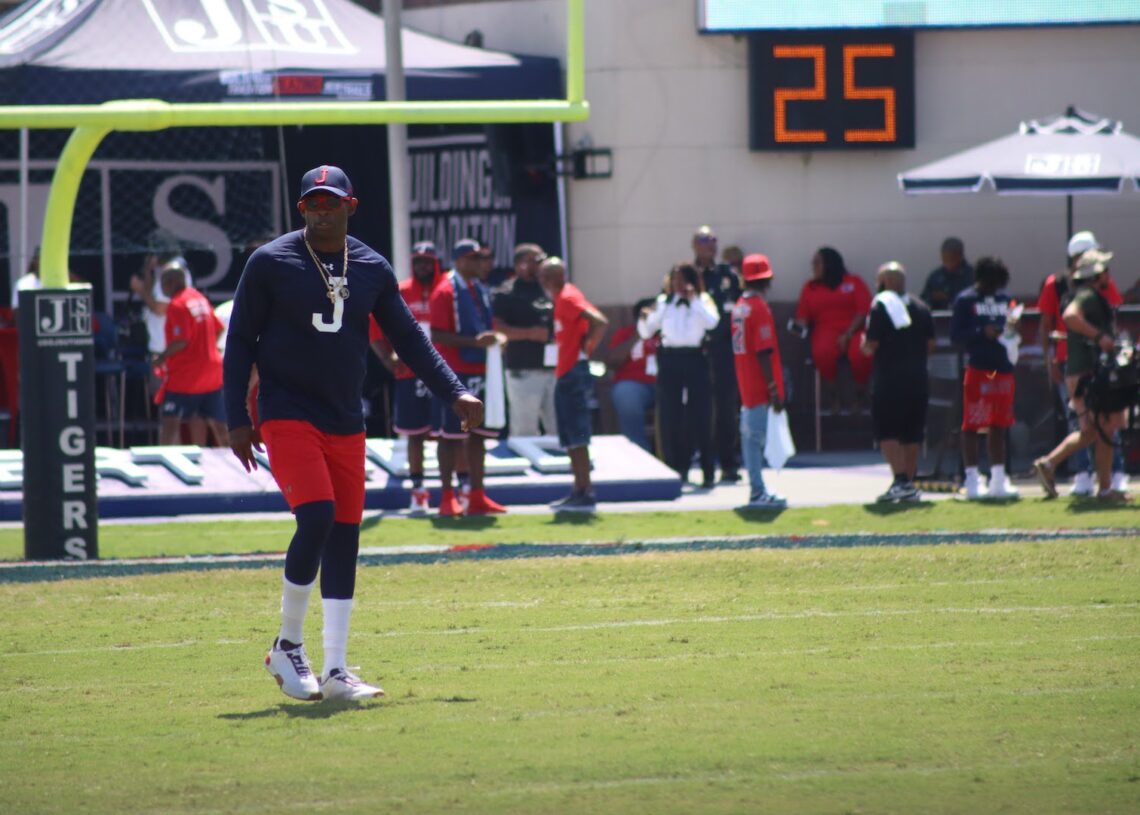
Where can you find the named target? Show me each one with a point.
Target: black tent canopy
(88, 51)
(92, 51)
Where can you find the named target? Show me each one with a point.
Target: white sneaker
(290, 667)
(1003, 489)
(1083, 486)
(342, 684)
(1120, 482)
(421, 502)
(767, 500)
(974, 488)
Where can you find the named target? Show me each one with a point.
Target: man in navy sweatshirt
(978, 322)
(294, 319)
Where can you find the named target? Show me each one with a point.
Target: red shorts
(987, 399)
(310, 465)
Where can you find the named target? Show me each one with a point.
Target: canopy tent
(89, 51)
(1074, 154)
(92, 51)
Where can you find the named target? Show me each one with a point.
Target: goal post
(63, 477)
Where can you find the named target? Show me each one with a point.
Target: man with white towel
(900, 337)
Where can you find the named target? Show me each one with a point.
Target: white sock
(294, 604)
(337, 614)
(997, 474)
(971, 473)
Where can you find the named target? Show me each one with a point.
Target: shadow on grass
(759, 514)
(302, 710)
(371, 521)
(469, 522)
(1082, 505)
(570, 518)
(886, 509)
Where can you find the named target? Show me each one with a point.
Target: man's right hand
(138, 286)
(243, 441)
(469, 409)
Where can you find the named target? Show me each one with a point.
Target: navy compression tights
(320, 543)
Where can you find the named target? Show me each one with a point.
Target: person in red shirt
(1056, 292)
(634, 365)
(759, 374)
(834, 304)
(578, 328)
(192, 390)
(460, 313)
(413, 402)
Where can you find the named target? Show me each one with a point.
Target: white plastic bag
(778, 447)
(495, 400)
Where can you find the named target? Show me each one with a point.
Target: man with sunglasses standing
(301, 316)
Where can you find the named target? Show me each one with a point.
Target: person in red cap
(759, 374)
(461, 330)
(413, 402)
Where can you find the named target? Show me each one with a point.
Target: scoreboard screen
(725, 16)
(847, 90)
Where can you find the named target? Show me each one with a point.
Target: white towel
(495, 402)
(895, 306)
(778, 444)
(1011, 338)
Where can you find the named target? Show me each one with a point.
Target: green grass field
(226, 537)
(933, 679)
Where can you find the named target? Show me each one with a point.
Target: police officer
(723, 285)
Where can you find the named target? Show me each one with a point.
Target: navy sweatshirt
(972, 313)
(311, 367)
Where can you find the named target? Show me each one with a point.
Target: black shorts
(413, 408)
(186, 406)
(898, 415)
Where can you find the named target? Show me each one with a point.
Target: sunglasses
(321, 202)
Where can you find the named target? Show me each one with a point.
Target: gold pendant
(332, 293)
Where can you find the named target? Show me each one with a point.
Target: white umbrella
(1074, 154)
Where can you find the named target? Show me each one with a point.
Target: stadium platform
(628, 480)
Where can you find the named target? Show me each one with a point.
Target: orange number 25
(818, 92)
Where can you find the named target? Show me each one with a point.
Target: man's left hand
(470, 412)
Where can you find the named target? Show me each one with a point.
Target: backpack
(1114, 384)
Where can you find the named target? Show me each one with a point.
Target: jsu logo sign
(64, 315)
(241, 25)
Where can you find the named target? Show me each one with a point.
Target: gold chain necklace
(337, 286)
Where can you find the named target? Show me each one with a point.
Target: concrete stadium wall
(673, 106)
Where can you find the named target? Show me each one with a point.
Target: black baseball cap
(326, 178)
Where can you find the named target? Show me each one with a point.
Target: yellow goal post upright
(58, 527)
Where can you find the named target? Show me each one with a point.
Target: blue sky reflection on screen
(743, 15)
